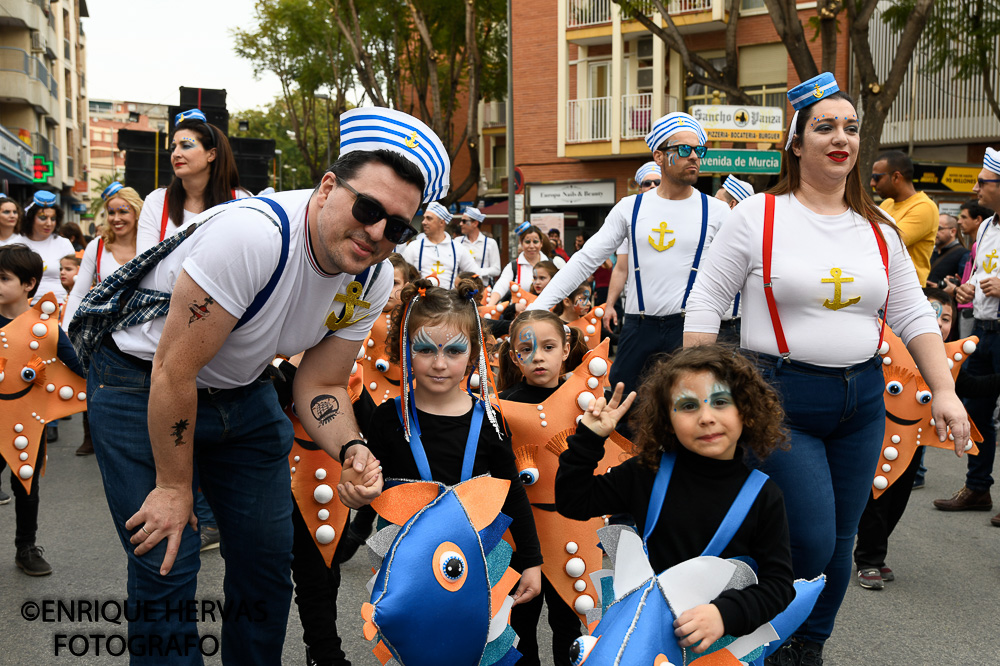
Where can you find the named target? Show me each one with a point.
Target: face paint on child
(704, 417)
(527, 345)
(423, 343)
(581, 304)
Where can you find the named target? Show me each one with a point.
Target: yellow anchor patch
(837, 280)
(817, 93)
(661, 230)
(989, 264)
(351, 299)
(412, 141)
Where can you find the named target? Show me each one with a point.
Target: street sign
(761, 124)
(518, 181)
(741, 161)
(944, 177)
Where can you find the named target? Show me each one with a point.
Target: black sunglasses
(982, 181)
(684, 150)
(650, 183)
(368, 211)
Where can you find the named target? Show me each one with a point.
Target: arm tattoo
(325, 408)
(199, 312)
(178, 432)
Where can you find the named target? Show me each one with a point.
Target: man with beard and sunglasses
(665, 232)
(177, 389)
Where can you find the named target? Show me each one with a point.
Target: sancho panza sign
(598, 193)
(740, 123)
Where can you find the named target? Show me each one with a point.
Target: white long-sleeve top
(86, 277)
(664, 272)
(524, 276)
(485, 254)
(445, 259)
(810, 254)
(986, 264)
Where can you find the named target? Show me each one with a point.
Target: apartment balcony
(31, 15)
(24, 77)
(590, 125)
(496, 178)
(588, 20)
(494, 115)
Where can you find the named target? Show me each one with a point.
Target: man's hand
(610, 317)
(990, 287)
(965, 292)
(163, 516)
(701, 624)
(360, 479)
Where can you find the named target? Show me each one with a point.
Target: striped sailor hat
(671, 124)
(110, 190)
(807, 93)
(475, 214)
(378, 128)
(439, 210)
(738, 188)
(190, 114)
(991, 162)
(44, 199)
(645, 171)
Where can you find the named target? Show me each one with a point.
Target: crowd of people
(749, 342)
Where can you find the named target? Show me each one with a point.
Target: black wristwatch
(343, 449)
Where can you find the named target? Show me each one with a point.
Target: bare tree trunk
(877, 98)
(785, 16)
(828, 12)
(359, 51)
(436, 119)
(983, 49)
(470, 136)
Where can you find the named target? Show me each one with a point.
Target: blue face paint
(423, 343)
(527, 345)
(938, 308)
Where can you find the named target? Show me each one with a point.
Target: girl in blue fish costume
(436, 431)
(697, 414)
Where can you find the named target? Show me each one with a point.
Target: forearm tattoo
(325, 408)
(178, 432)
(199, 312)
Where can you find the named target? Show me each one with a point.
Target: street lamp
(277, 151)
(329, 139)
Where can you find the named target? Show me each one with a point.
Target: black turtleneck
(700, 493)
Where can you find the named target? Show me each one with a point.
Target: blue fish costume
(635, 621)
(440, 592)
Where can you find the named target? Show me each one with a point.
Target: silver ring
(143, 528)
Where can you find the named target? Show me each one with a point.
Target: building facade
(107, 159)
(43, 101)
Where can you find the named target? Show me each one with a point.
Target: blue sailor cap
(110, 190)
(813, 90)
(521, 228)
(671, 124)
(439, 210)
(646, 170)
(991, 162)
(738, 188)
(190, 114)
(475, 214)
(44, 199)
(377, 128)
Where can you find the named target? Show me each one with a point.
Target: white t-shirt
(812, 256)
(445, 259)
(14, 238)
(232, 257)
(86, 276)
(151, 219)
(986, 264)
(667, 233)
(525, 275)
(485, 254)
(52, 249)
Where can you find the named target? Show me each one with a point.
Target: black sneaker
(29, 560)
(786, 655)
(810, 654)
(4, 497)
(209, 538)
(52, 432)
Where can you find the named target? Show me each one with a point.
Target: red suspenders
(100, 251)
(772, 306)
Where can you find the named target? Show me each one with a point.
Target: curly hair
(758, 404)
(435, 306)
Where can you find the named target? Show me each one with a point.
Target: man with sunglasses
(983, 291)
(665, 233)
(484, 250)
(915, 213)
(177, 392)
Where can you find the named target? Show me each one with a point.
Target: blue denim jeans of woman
(241, 445)
(836, 421)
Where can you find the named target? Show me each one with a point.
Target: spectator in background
(970, 217)
(555, 238)
(916, 215)
(949, 254)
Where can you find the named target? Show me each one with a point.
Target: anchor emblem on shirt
(837, 280)
(412, 141)
(661, 230)
(989, 264)
(438, 266)
(351, 299)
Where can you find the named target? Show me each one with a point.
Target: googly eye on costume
(924, 397)
(28, 374)
(581, 649)
(894, 388)
(528, 476)
(449, 566)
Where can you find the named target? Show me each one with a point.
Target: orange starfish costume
(35, 386)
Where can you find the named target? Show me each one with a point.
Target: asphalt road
(942, 610)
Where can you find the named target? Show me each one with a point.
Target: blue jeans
(241, 445)
(986, 361)
(836, 421)
(642, 342)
